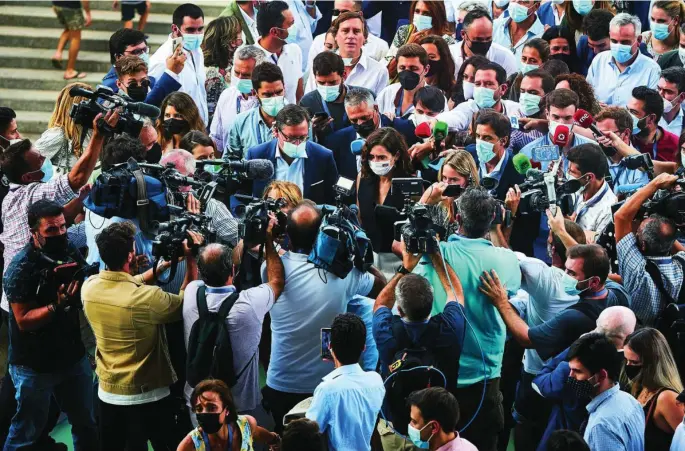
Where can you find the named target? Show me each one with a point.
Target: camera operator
(148, 137)
(133, 364)
(311, 299)
(588, 164)
(221, 219)
(133, 81)
(649, 247)
(46, 355)
(469, 253)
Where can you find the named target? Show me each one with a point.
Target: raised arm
(83, 168)
(439, 264)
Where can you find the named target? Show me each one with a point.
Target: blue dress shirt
(501, 36)
(616, 423)
(614, 87)
(346, 405)
(248, 130)
(293, 172)
(624, 176)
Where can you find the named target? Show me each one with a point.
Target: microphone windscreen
(260, 169)
(356, 146)
(534, 174)
(560, 137)
(583, 118)
(78, 91)
(440, 130)
(522, 163)
(144, 109)
(423, 130)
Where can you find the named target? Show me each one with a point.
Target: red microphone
(423, 130)
(585, 120)
(560, 137)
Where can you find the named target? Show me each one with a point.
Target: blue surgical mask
(530, 103)
(582, 7)
(525, 68)
(621, 52)
(422, 22)
(660, 30)
(145, 57)
(415, 437)
(636, 122)
(501, 3)
(328, 93)
(484, 97)
(485, 151)
(568, 283)
(295, 150)
(192, 42)
(518, 13)
(272, 105)
(292, 34)
(243, 85)
(47, 169)
(681, 54)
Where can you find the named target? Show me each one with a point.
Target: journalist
(311, 299)
(647, 108)
(651, 275)
(469, 253)
(296, 159)
(133, 81)
(46, 355)
(128, 314)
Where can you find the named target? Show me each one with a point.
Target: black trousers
(532, 414)
(483, 431)
(279, 403)
(130, 427)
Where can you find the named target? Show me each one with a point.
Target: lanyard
(654, 149)
(398, 108)
(274, 58)
(258, 132)
(592, 202)
(619, 172)
(237, 103)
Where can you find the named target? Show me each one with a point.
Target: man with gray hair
(614, 74)
(239, 97)
(148, 137)
(470, 253)
(296, 159)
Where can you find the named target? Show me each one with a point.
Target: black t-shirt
(57, 344)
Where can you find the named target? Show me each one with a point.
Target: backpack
(414, 368)
(210, 354)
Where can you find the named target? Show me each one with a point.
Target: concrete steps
(25, 80)
(33, 122)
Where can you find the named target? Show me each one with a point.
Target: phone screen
(326, 344)
(176, 43)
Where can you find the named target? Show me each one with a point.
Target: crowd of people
(534, 297)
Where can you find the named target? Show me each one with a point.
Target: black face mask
(583, 390)
(209, 422)
(480, 48)
(632, 371)
(434, 68)
(409, 80)
(365, 128)
(137, 93)
(55, 246)
(565, 58)
(175, 127)
(154, 154)
(642, 125)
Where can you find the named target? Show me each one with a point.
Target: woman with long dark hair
(441, 71)
(179, 116)
(464, 85)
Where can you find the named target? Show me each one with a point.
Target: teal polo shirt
(469, 258)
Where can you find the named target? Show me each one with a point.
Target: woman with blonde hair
(458, 168)
(61, 142)
(665, 19)
(288, 191)
(222, 38)
(179, 116)
(655, 383)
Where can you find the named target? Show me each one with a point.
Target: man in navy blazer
(296, 159)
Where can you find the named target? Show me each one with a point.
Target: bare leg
(74, 46)
(143, 19)
(128, 24)
(60, 45)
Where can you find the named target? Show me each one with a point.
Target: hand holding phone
(176, 43)
(326, 344)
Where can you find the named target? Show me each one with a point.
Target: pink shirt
(458, 444)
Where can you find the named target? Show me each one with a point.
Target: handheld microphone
(423, 131)
(586, 120)
(440, 130)
(356, 146)
(560, 137)
(521, 163)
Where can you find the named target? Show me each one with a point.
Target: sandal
(78, 75)
(56, 63)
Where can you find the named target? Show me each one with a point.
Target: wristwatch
(52, 308)
(402, 270)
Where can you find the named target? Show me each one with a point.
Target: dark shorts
(128, 10)
(70, 18)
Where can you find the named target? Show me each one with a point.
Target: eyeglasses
(138, 52)
(294, 139)
(144, 83)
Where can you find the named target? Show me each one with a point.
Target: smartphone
(321, 115)
(65, 273)
(176, 43)
(452, 191)
(326, 344)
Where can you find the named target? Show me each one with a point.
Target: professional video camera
(55, 273)
(84, 113)
(252, 227)
(341, 244)
(502, 213)
(543, 190)
(232, 173)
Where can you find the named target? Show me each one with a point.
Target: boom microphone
(257, 169)
(521, 163)
(560, 137)
(78, 91)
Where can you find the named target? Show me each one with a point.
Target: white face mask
(468, 90)
(681, 53)
(381, 168)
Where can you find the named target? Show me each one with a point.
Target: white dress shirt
(230, 104)
(459, 118)
(290, 63)
(375, 48)
(500, 34)
(293, 172)
(305, 28)
(367, 73)
(386, 101)
(251, 26)
(497, 54)
(595, 214)
(192, 77)
(676, 125)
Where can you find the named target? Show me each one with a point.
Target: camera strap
(653, 270)
(142, 201)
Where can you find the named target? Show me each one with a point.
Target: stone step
(26, 58)
(210, 8)
(31, 100)
(46, 38)
(33, 122)
(44, 80)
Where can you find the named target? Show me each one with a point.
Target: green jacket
(670, 59)
(232, 9)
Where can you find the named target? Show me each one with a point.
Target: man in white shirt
(278, 31)
(360, 69)
(188, 23)
(671, 87)
(306, 16)
(490, 82)
(241, 96)
(374, 47)
(520, 26)
(477, 40)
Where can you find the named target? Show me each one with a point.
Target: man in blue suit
(362, 111)
(296, 159)
(126, 43)
(133, 81)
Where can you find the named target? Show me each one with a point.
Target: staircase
(29, 31)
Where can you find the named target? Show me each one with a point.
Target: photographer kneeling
(133, 364)
(650, 275)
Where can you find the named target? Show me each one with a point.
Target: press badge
(546, 153)
(514, 122)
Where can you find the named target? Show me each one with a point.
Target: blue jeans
(73, 390)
